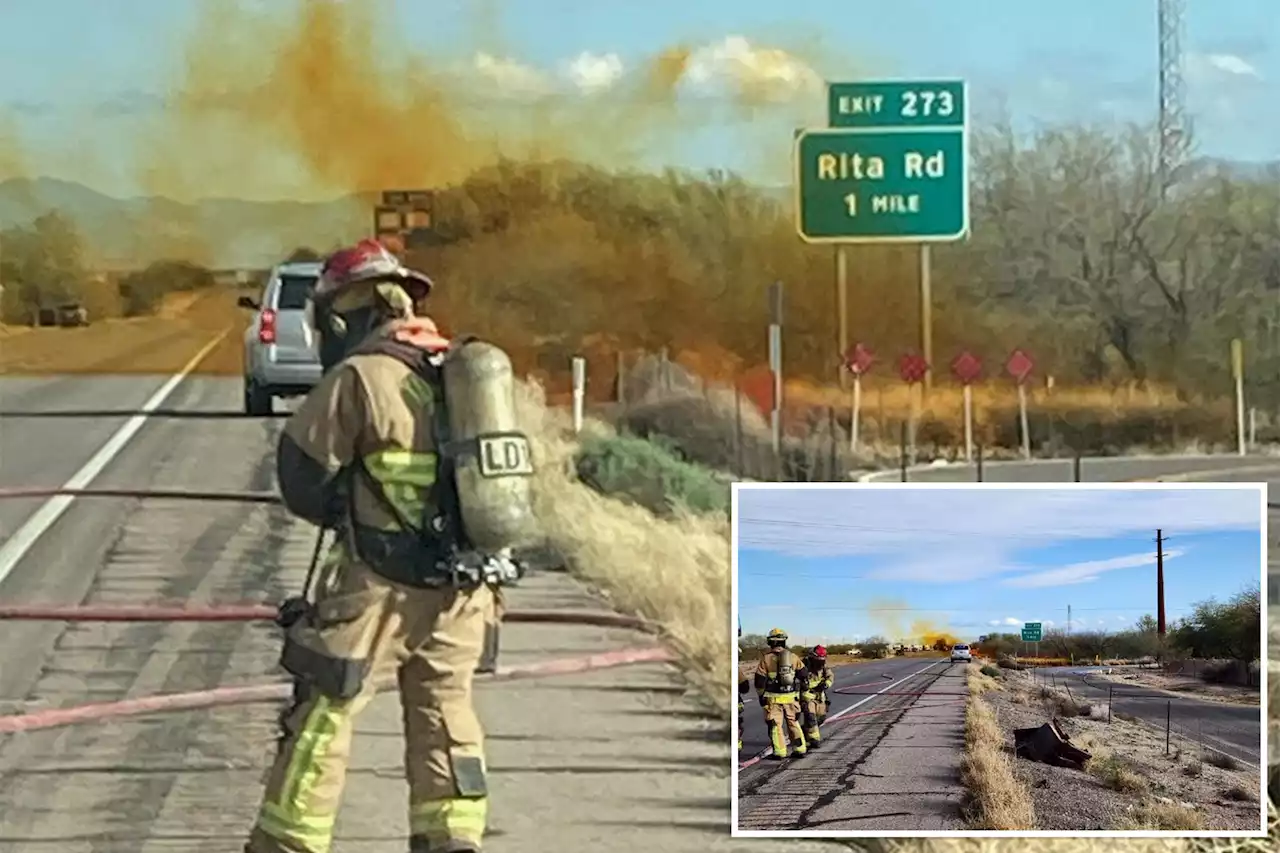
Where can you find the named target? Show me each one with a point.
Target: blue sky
(844, 564)
(1093, 60)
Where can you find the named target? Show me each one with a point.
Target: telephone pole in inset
(1160, 540)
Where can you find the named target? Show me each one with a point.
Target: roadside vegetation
(1217, 645)
(1129, 782)
(997, 799)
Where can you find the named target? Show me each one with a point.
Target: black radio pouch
(301, 655)
(335, 677)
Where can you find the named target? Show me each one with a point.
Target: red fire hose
(275, 691)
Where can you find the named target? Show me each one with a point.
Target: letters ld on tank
(504, 455)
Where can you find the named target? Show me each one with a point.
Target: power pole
(1172, 121)
(1160, 540)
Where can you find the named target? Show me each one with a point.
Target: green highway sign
(1031, 632)
(898, 103)
(882, 186)
(893, 167)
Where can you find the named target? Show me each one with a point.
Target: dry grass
(161, 344)
(997, 800)
(674, 572)
(1163, 816)
(980, 682)
(1115, 773)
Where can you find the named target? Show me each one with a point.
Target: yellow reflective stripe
(446, 820)
(289, 814)
(315, 834)
(405, 476)
(416, 392)
(781, 698)
(394, 465)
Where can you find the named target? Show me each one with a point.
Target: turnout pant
(809, 710)
(430, 640)
(783, 721)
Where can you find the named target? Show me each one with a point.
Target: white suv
(960, 652)
(281, 355)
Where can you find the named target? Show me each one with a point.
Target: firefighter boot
(419, 845)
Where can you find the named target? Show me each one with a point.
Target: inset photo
(1024, 659)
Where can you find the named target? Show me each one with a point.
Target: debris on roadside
(1048, 744)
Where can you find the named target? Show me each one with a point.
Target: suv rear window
(962, 648)
(294, 292)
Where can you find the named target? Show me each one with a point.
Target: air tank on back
(494, 469)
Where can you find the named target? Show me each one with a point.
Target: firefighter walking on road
(778, 679)
(813, 697)
(407, 589)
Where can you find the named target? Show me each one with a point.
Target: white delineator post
(579, 391)
(1022, 419)
(855, 411)
(968, 422)
(1237, 373)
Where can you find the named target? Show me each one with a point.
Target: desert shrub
(650, 473)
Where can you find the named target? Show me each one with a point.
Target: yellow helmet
(778, 637)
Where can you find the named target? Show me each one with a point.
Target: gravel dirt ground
(1131, 783)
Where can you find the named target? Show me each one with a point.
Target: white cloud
(593, 72)
(957, 535)
(1229, 63)
(732, 66)
(511, 76)
(1087, 571)
(749, 67)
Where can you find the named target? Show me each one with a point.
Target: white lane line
(867, 699)
(26, 536)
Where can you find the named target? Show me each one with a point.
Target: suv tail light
(267, 327)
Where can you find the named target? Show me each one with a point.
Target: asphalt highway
(1232, 729)
(648, 760)
(889, 757)
(862, 678)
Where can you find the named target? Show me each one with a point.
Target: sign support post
(967, 367)
(842, 306)
(857, 361)
(912, 368)
(926, 312)
(1019, 366)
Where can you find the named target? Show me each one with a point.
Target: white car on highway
(961, 652)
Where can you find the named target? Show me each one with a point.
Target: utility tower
(1173, 116)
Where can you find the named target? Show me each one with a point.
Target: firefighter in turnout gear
(778, 679)
(813, 697)
(362, 456)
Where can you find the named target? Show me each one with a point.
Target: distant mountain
(218, 232)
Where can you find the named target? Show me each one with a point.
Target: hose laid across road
(274, 691)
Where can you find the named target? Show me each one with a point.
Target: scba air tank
(493, 465)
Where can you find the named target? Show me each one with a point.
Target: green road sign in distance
(1031, 632)
(897, 103)
(882, 186)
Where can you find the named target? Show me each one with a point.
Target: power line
(873, 609)
(1039, 535)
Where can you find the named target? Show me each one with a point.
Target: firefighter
(778, 678)
(360, 456)
(814, 696)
